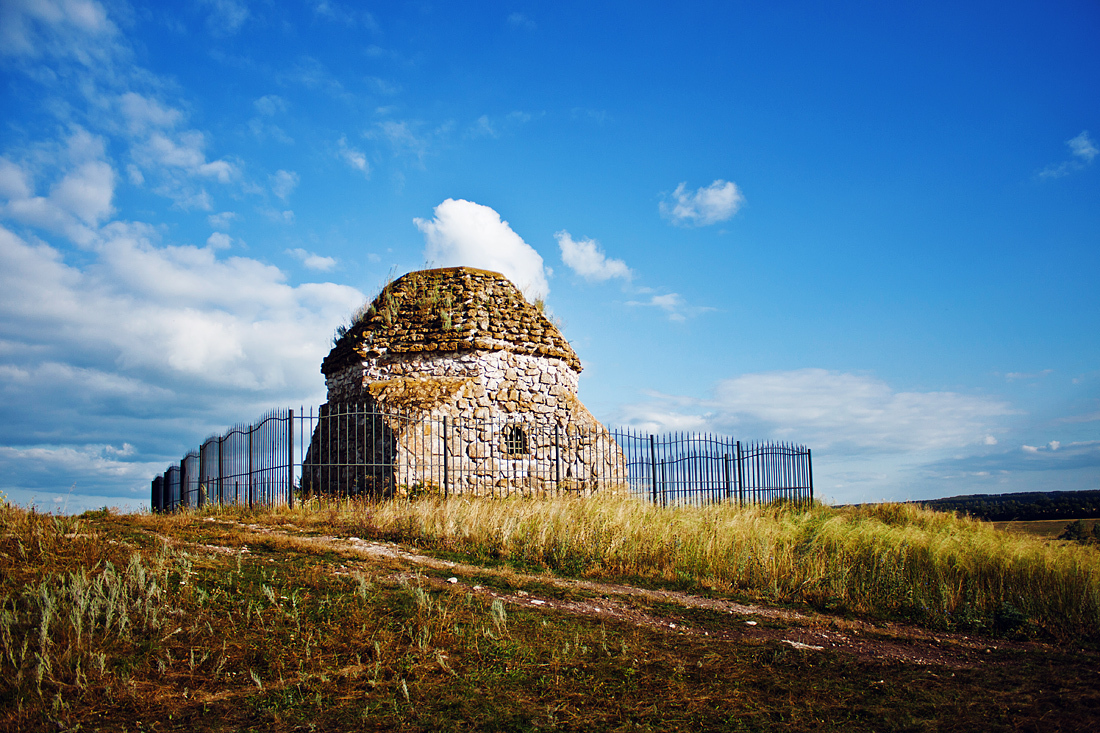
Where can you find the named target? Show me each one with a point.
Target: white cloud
(409, 137)
(78, 201)
(87, 192)
(270, 105)
(846, 413)
(226, 17)
(143, 113)
(1013, 376)
(1083, 147)
(464, 233)
(1083, 150)
(585, 258)
(708, 205)
(101, 461)
(283, 183)
(676, 309)
(519, 20)
(59, 28)
(313, 261)
(383, 86)
(14, 182)
(279, 217)
(185, 152)
(353, 157)
(222, 220)
(483, 128)
(219, 240)
(336, 12)
(175, 312)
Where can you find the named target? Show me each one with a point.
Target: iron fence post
(221, 490)
(810, 469)
(183, 483)
(653, 466)
(740, 477)
(290, 459)
(446, 451)
(726, 470)
(557, 460)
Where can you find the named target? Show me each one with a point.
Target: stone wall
(485, 384)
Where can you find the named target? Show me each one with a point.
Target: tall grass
(895, 560)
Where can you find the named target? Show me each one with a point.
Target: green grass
(142, 622)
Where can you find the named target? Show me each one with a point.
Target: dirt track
(808, 632)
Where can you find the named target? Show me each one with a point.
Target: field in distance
(1048, 528)
(536, 614)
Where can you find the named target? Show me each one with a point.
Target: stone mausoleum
(450, 380)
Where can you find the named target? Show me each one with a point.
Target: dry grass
(166, 622)
(894, 559)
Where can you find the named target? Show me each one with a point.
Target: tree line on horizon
(1023, 507)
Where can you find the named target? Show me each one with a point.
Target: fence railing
(350, 451)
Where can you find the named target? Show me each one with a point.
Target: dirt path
(808, 632)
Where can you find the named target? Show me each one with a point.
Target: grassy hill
(543, 614)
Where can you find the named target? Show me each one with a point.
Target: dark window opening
(515, 439)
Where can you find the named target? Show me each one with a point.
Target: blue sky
(871, 228)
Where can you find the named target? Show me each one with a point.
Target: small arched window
(515, 440)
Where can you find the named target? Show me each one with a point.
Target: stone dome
(452, 309)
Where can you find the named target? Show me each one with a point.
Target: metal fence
(355, 451)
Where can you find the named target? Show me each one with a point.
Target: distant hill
(1027, 506)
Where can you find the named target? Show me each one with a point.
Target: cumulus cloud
(170, 311)
(705, 206)
(464, 233)
(1083, 151)
(77, 202)
(219, 240)
(585, 258)
(312, 260)
(105, 366)
(841, 412)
